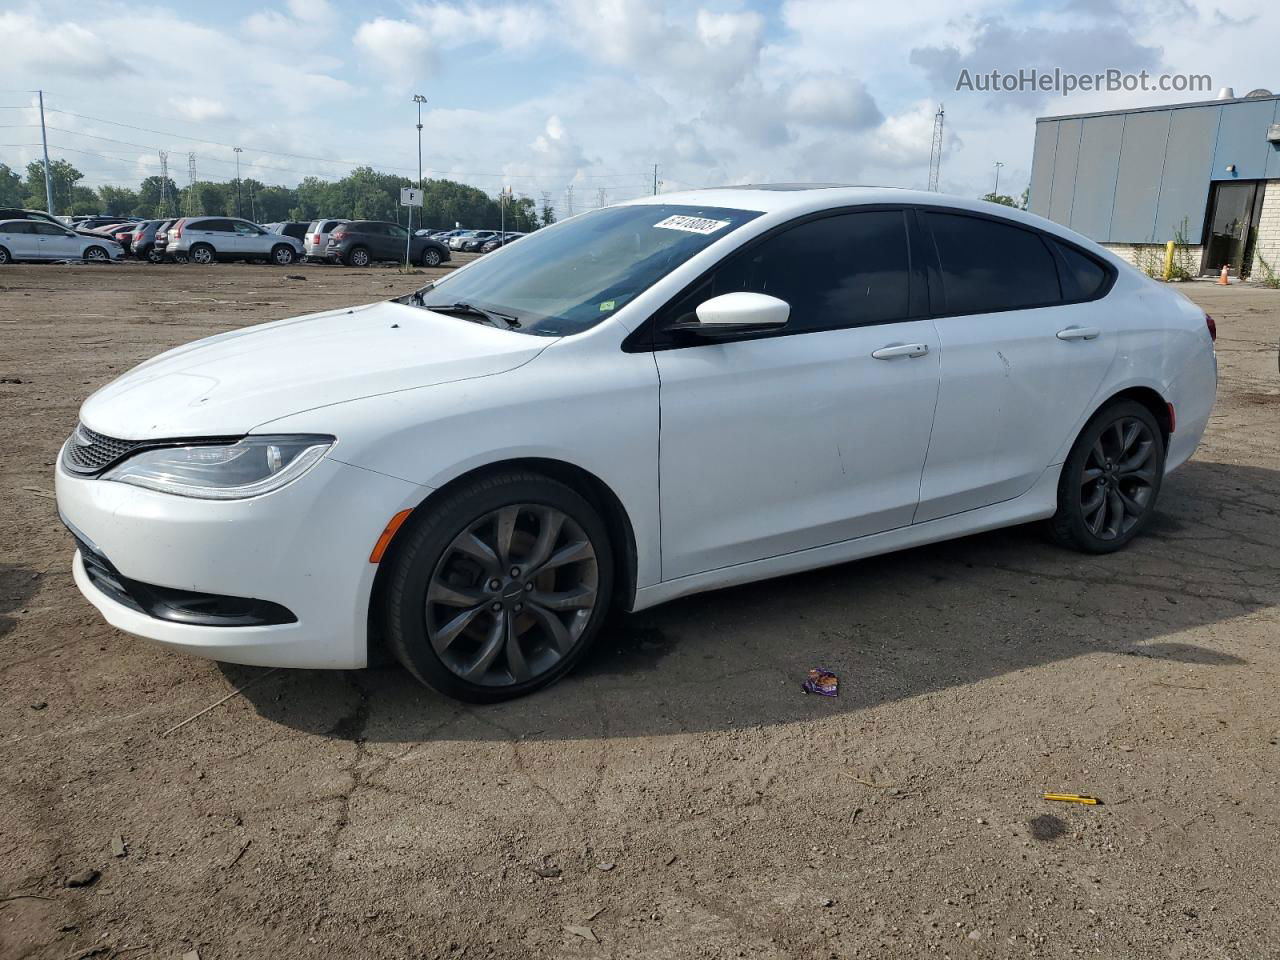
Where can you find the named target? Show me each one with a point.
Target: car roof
(790, 199)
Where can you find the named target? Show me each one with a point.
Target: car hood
(228, 384)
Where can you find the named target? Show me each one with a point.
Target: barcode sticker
(700, 225)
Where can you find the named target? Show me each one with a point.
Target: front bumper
(304, 547)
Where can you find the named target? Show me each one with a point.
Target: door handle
(902, 350)
(1079, 333)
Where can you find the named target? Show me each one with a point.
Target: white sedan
(649, 400)
(41, 240)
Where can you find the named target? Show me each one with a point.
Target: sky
(548, 95)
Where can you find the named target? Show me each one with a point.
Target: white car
(649, 400)
(316, 246)
(206, 240)
(42, 240)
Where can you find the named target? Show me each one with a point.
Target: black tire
(420, 558)
(357, 257)
(1100, 465)
(202, 253)
(282, 255)
(431, 257)
(5, 256)
(151, 255)
(97, 254)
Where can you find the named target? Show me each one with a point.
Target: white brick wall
(1154, 253)
(1268, 244)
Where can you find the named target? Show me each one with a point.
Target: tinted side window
(989, 266)
(842, 271)
(24, 227)
(1084, 275)
(47, 229)
(214, 225)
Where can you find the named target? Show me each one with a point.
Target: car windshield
(568, 278)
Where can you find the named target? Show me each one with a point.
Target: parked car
(160, 241)
(16, 213)
(205, 240)
(122, 234)
(665, 396)
(144, 240)
(471, 240)
(444, 236)
(317, 242)
(40, 240)
(97, 223)
(291, 228)
(499, 241)
(360, 242)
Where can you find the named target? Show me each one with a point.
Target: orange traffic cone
(1222, 277)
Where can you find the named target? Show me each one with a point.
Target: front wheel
(499, 588)
(1109, 484)
(281, 255)
(202, 254)
(431, 257)
(5, 256)
(96, 254)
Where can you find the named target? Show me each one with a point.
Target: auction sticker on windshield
(692, 224)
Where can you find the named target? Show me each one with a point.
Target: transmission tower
(163, 209)
(192, 204)
(568, 201)
(935, 152)
(600, 201)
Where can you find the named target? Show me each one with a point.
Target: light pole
(419, 99)
(238, 150)
(996, 190)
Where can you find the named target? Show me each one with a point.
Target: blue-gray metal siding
(1099, 163)
(1135, 177)
(1137, 186)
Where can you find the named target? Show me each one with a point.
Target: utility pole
(935, 151)
(238, 151)
(996, 189)
(192, 208)
(600, 198)
(568, 201)
(655, 179)
(44, 140)
(419, 99)
(162, 210)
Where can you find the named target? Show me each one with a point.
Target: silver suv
(317, 242)
(206, 239)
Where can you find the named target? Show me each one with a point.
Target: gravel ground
(679, 796)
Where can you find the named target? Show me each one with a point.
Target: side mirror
(734, 313)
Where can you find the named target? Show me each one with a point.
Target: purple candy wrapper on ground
(822, 682)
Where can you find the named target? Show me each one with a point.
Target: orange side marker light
(388, 533)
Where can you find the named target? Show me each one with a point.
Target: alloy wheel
(1118, 480)
(284, 256)
(95, 253)
(202, 256)
(511, 595)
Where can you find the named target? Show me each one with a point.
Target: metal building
(1208, 172)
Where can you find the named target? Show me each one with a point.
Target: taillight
(177, 227)
(1213, 327)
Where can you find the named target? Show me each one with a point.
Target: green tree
(1001, 198)
(149, 192)
(11, 192)
(63, 175)
(81, 200)
(548, 212)
(118, 201)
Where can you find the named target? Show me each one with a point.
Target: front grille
(88, 452)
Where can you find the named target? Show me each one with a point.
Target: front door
(1234, 209)
(811, 435)
(55, 243)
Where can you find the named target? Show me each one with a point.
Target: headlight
(250, 468)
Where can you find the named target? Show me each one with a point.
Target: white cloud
(399, 47)
(511, 27)
(200, 108)
(69, 49)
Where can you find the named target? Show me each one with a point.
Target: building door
(1234, 209)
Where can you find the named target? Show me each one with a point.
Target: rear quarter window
(1084, 277)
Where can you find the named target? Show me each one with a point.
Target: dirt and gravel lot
(680, 796)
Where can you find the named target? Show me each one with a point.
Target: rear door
(1021, 362)
(783, 442)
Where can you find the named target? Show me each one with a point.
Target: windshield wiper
(500, 320)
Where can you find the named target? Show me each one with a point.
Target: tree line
(363, 194)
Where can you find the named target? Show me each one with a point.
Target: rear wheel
(431, 257)
(97, 254)
(1109, 484)
(202, 254)
(4, 256)
(358, 257)
(282, 255)
(499, 588)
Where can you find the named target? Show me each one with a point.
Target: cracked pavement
(357, 815)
